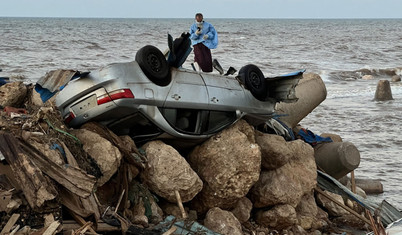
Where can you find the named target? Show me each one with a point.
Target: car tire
(154, 65)
(254, 81)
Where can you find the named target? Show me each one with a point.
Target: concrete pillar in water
(369, 186)
(383, 91)
(337, 159)
(310, 91)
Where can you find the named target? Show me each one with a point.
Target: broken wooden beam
(180, 204)
(52, 229)
(72, 178)
(10, 224)
(36, 187)
(103, 227)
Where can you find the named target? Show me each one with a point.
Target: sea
(341, 51)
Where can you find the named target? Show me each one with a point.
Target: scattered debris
(52, 179)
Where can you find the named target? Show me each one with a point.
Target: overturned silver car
(148, 98)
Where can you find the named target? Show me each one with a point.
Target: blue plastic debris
(61, 150)
(54, 81)
(3, 80)
(311, 138)
(44, 93)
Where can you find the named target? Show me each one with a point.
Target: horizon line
(246, 18)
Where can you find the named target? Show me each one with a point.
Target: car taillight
(115, 95)
(69, 117)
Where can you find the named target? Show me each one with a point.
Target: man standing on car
(203, 38)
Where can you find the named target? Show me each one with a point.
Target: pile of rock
(240, 181)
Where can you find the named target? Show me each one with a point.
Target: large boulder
(274, 151)
(229, 163)
(167, 171)
(287, 184)
(242, 210)
(307, 211)
(223, 222)
(12, 94)
(279, 217)
(106, 155)
(139, 215)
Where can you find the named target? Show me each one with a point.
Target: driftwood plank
(10, 224)
(36, 187)
(72, 178)
(52, 229)
(82, 206)
(5, 197)
(81, 221)
(69, 225)
(317, 189)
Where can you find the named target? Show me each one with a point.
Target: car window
(219, 120)
(135, 125)
(194, 121)
(185, 120)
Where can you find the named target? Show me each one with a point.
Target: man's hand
(198, 32)
(205, 37)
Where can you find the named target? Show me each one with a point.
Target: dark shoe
(217, 66)
(171, 48)
(230, 71)
(171, 56)
(170, 42)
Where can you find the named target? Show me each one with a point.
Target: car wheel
(254, 81)
(154, 65)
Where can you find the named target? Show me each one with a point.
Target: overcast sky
(210, 8)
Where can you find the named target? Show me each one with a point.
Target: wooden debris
(15, 230)
(5, 197)
(72, 178)
(180, 204)
(84, 228)
(49, 219)
(52, 229)
(343, 206)
(118, 203)
(36, 187)
(84, 207)
(353, 181)
(69, 225)
(376, 225)
(82, 222)
(10, 224)
(6, 178)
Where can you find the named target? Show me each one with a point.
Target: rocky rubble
(88, 180)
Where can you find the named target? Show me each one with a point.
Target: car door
(225, 93)
(187, 91)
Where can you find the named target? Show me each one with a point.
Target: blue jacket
(211, 42)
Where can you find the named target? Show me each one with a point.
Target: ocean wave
(379, 73)
(94, 46)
